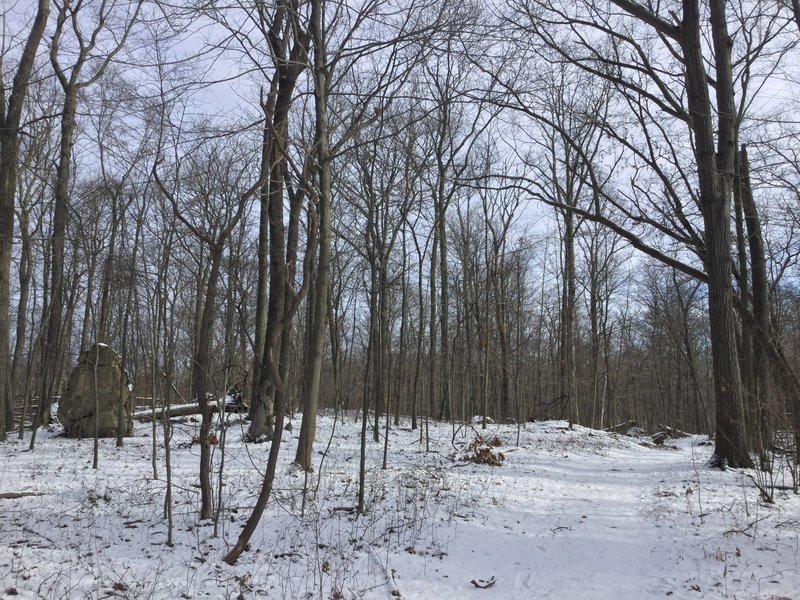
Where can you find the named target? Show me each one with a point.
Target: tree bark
(108, 268)
(257, 395)
(715, 171)
(445, 401)
(289, 64)
(200, 372)
(760, 293)
(55, 306)
(320, 301)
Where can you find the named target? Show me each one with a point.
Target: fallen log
(671, 431)
(232, 405)
(659, 437)
(621, 427)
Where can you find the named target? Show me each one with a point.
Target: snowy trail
(622, 523)
(569, 515)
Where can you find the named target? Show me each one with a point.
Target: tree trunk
(500, 291)
(55, 305)
(566, 360)
(124, 356)
(374, 355)
(715, 179)
(200, 373)
(415, 392)
(400, 387)
(9, 157)
(108, 268)
(25, 273)
(269, 477)
(432, 327)
(445, 402)
(760, 289)
(289, 64)
(256, 394)
(320, 300)
(745, 346)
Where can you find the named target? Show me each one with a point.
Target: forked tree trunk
(289, 64)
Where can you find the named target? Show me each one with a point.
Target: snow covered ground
(570, 514)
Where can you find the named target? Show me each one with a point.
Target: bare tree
(288, 43)
(33, 176)
(321, 72)
(633, 69)
(92, 51)
(395, 56)
(211, 190)
(11, 103)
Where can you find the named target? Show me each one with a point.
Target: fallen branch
(15, 495)
(484, 583)
(345, 509)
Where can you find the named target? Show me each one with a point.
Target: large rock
(96, 385)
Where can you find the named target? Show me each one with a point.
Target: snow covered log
(232, 404)
(621, 427)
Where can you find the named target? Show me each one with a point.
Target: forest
(423, 214)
